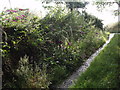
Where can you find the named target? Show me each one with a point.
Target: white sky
(33, 5)
(106, 15)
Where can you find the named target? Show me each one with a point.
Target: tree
(102, 4)
(94, 20)
(73, 5)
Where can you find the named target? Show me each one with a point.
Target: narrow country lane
(83, 68)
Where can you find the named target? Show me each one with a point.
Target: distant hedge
(115, 28)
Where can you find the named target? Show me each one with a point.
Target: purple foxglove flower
(13, 10)
(14, 20)
(23, 15)
(82, 32)
(69, 43)
(59, 42)
(19, 17)
(8, 10)
(21, 9)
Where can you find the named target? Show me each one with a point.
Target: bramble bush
(62, 41)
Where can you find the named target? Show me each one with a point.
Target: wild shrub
(31, 77)
(92, 20)
(60, 40)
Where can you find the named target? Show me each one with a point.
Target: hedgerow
(61, 41)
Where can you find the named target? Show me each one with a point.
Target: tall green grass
(104, 70)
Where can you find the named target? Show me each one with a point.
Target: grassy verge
(104, 70)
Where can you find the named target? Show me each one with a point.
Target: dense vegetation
(42, 52)
(114, 28)
(104, 71)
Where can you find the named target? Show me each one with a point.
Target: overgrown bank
(104, 71)
(53, 46)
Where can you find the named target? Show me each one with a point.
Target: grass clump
(104, 70)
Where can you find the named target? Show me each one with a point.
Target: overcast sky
(106, 15)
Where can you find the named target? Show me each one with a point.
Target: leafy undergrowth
(61, 40)
(104, 70)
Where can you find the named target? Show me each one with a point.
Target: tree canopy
(73, 5)
(101, 4)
